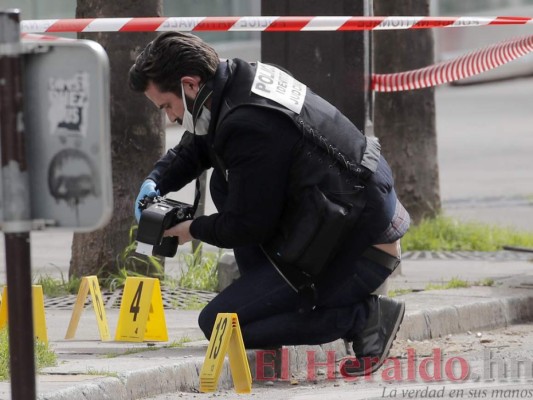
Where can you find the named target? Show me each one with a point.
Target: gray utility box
(67, 131)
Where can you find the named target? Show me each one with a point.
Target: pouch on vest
(312, 231)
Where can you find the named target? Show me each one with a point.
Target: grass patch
(201, 270)
(53, 287)
(100, 372)
(454, 283)
(485, 282)
(133, 350)
(114, 281)
(129, 259)
(130, 263)
(151, 347)
(178, 343)
(447, 234)
(193, 303)
(170, 282)
(457, 283)
(44, 355)
(398, 292)
(4, 355)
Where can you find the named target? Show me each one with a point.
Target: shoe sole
(376, 366)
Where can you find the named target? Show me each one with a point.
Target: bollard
(227, 271)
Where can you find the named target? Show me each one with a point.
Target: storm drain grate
(469, 255)
(172, 299)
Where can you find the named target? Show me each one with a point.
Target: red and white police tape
(462, 67)
(465, 66)
(263, 23)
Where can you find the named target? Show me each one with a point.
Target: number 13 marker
(226, 338)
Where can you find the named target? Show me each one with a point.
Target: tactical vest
(328, 172)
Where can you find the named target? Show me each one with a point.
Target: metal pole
(368, 60)
(16, 208)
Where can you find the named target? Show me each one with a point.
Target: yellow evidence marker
(141, 316)
(39, 319)
(89, 284)
(226, 338)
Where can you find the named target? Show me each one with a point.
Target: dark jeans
(268, 309)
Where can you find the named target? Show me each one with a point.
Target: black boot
(372, 345)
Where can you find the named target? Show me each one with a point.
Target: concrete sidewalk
(91, 369)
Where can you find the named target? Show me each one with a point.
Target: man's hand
(182, 231)
(147, 189)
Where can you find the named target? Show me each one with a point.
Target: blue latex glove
(147, 189)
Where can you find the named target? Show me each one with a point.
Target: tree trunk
(405, 121)
(137, 137)
(333, 64)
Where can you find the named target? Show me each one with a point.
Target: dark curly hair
(168, 58)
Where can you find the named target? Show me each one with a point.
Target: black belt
(382, 258)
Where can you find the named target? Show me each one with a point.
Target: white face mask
(202, 123)
(188, 121)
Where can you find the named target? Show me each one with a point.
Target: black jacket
(277, 171)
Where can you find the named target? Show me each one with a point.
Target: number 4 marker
(141, 312)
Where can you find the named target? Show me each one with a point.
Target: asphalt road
(485, 140)
(485, 144)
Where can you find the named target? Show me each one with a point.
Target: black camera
(157, 215)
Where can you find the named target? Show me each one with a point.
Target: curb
(417, 325)
(182, 377)
(483, 314)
